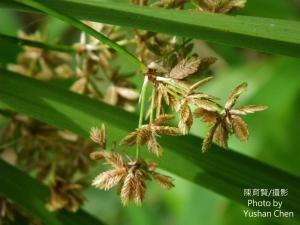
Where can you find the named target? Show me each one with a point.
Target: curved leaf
(20, 41)
(263, 34)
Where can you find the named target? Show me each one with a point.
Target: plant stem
(36, 44)
(76, 23)
(50, 179)
(11, 142)
(121, 43)
(171, 92)
(32, 67)
(176, 86)
(94, 85)
(152, 104)
(142, 106)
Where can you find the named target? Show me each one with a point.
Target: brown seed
(240, 128)
(154, 147)
(185, 68)
(164, 181)
(109, 179)
(163, 119)
(99, 136)
(235, 94)
(128, 93)
(127, 190)
(166, 130)
(130, 139)
(209, 137)
(144, 134)
(248, 109)
(97, 155)
(221, 135)
(199, 83)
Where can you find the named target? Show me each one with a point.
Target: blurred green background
(274, 134)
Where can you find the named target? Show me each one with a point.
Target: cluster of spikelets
(92, 60)
(173, 89)
(62, 169)
(146, 134)
(220, 6)
(40, 63)
(129, 174)
(226, 120)
(216, 6)
(93, 65)
(170, 88)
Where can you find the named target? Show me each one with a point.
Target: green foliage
(69, 19)
(239, 31)
(31, 195)
(224, 172)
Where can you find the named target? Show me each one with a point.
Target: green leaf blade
(264, 34)
(20, 41)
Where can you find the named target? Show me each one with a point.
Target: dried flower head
(220, 6)
(185, 68)
(172, 87)
(121, 92)
(40, 63)
(93, 67)
(226, 121)
(65, 195)
(99, 136)
(11, 213)
(147, 134)
(198, 99)
(173, 4)
(92, 47)
(130, 175)
(152, 46)
(61, 169)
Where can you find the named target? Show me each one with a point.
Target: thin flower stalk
(142, 109)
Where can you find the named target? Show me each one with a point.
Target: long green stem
(50, 179)
(176, 86)
(32, 67)
(172, 93)
(21, 41)
(142, 109)
(152, 104)
(121, 43)
(53, 47)
(76, 23)
(93, 83)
